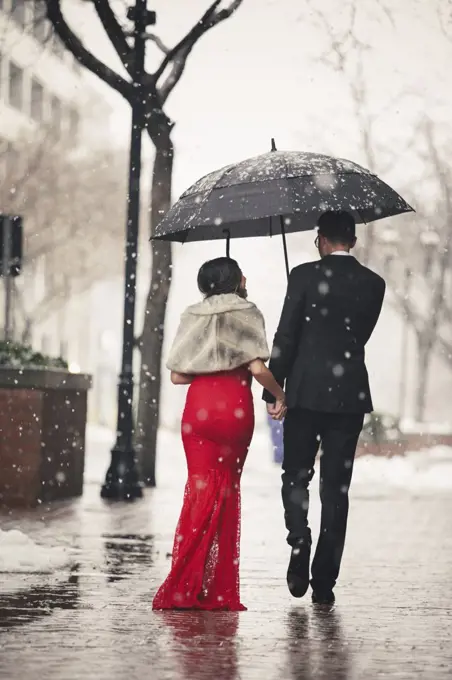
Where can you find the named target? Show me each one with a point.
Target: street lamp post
(122, 481)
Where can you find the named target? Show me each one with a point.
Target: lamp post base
(122, 482)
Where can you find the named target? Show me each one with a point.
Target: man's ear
(353, 243)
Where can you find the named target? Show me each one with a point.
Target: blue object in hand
(276, 430)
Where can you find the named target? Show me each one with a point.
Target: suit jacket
(330, 310)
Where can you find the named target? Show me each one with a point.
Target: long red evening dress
(217, 427)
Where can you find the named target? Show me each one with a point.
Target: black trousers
(337, 434)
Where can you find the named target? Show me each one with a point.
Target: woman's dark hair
(219, 277)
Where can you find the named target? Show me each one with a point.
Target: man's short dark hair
(337, 226)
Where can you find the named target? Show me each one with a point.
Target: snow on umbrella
(276, 193)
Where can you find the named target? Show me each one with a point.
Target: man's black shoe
(325, 597)
(298, 571)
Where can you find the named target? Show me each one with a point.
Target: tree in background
(346, 55)
(419, 273)
(73, 205)
(423, 257)
(157, 87)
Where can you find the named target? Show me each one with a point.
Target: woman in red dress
(220, 345)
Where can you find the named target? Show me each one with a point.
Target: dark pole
(227, 233)
(283, 234)
(281, 222)
(122, 480)
(404, 357)
(6, 235)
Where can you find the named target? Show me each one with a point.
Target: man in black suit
(330, 311)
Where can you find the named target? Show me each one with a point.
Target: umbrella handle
(283, 234)
(227, 233)
(283, 230)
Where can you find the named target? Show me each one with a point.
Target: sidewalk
(394, 600)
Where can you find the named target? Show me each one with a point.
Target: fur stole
(218, 334)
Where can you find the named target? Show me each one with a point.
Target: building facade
(45, 92)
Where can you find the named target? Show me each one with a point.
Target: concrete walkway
(394, 599)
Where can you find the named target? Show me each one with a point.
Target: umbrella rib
(206, 197)
(307, 174)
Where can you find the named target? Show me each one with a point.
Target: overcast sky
(260, 74)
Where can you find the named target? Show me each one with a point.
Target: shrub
(14, 355)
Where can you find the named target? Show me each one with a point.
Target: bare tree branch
(177, 56)
(84, 56)
(114, 31)
(416, 322)
(403, 304)
(197, 30)
(34, 163)
(159, 42)
(386, 11)
(444, 13)
(175, 73)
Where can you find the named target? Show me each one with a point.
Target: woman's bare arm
(181, 378)
(265, 378)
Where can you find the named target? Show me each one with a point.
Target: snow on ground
(20, 555)
(418, 471)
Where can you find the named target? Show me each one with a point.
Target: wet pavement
(393, 617)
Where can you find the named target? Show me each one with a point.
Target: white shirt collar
(340, 252)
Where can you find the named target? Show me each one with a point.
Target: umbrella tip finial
(273, 144)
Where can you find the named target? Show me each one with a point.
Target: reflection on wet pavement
(23, 607)
(316, 646)
(125, 551)
(204, 641)
(392, 617)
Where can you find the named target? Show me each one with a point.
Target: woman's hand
(277, 410)
(181, 378)
(265, 377)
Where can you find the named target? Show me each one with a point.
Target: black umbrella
(277, 193)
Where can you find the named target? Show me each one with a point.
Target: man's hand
(277, 410)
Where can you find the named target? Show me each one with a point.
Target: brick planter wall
(42, 435)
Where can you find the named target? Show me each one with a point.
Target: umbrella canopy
(277, 193)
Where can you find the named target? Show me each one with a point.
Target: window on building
(41, 27)
(55, 115)
(4, 148)
(45, 344)
(10, 161)
(58, 47)
(1, 74)
(37, 100)
(76, 66)
(16, 86)
(65, 119)
(74, 122)
(18, 11)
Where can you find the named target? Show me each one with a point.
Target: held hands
(277, 410)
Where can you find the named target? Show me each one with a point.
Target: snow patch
(420, 471)
(19, 554)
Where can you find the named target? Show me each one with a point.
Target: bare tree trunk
(369, 245)
(423, 365)
(151, 341)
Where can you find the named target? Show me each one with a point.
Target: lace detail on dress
(217, 428)
(205, 561)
